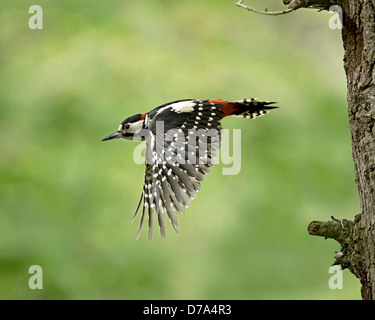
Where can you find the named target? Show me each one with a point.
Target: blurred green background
(67, 199)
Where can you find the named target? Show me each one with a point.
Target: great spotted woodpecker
(182, 139)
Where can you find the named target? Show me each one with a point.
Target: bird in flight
(182, 139)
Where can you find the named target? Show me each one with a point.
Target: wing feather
(177, 163)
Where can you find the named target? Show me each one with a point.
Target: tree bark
(357, 238)
(359, 44)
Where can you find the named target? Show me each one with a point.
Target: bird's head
(127, 128)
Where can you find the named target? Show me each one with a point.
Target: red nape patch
(143, 116)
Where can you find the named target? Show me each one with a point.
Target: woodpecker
(182, 139)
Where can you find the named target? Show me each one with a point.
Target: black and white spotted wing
(184, 138)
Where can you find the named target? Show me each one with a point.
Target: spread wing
(184, 138)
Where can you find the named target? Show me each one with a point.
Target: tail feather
(246, 108)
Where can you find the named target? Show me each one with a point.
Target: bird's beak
(114, 135)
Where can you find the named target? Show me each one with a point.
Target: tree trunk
(357, 238)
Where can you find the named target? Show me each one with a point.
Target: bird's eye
(127, 126)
